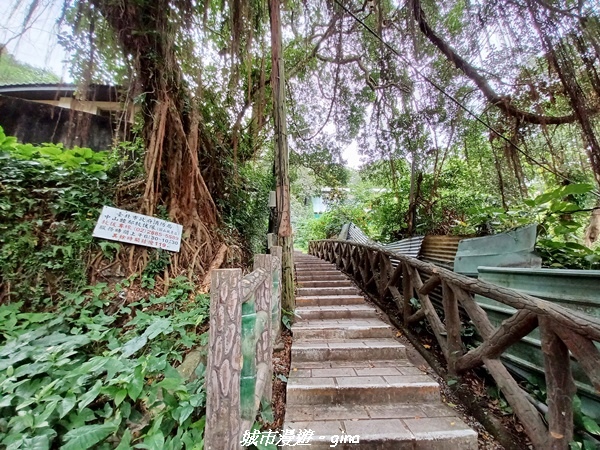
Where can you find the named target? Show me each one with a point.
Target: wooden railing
(564, 333)
(245, 321)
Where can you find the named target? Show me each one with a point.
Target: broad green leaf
(133, 345)
(576, 188)
(50, 151)
(136, 385)
(155, 441)
(546, 197)
(171, 383)
(90, 395)
(157, 327)
(6, 400)
(591, 426)
(34, 443)
(120, 396)
(66, 405)
(183, 412)
(266, 411)
(87, 436)
(125, 443)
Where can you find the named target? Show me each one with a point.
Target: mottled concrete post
(223, 416)
(276, 252)
(263, 302)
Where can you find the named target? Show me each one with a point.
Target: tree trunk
(283, 226)
(173, 134)
(592, 231)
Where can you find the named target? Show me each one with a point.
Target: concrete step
(364, 390)
(363, 311)
(312, 273)
(324, 283)
(347, 350)
(341, 329)
(329, 300)
(321, 277)
(310, 292)
(311, 267)
(310, 413)
(315, 269)
(438, 433)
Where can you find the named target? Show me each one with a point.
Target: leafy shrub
(245, 208)
(71, 377)
(50, 198)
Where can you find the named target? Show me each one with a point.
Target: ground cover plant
(98, 371)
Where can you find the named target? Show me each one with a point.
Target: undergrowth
(96, 371)
(50, 198)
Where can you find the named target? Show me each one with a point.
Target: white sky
(38, 45)
(351, 156)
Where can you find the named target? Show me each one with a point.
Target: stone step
(313, 273)
(350, 382)
(324, 283)
(337, 389)
(341, 329)
(336, 312)
(417, 433)
(310, 413)
(329, 300)
(347, 350)
(321, 277)
(311, 292)
(316, 269)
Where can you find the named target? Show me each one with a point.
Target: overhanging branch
(504, 103)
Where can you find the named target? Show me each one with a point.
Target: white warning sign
(125, 226)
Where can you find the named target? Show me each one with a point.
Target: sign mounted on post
(125, 226)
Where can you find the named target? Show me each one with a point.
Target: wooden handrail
(244, 323)
(562, 330)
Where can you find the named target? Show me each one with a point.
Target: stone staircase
(351, 382)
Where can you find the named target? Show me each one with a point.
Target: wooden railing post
(453, 325)
(264, 311)
(223, 415)
(407, 293)
(560, 386)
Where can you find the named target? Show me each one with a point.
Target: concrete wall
(35, 123)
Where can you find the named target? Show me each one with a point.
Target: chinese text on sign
(124, 226)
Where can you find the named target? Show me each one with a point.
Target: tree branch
(502, 102)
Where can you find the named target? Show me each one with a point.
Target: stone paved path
(350, 377)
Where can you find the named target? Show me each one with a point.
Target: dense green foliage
(96, 370)
(50, 198)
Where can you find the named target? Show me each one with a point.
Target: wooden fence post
(453, 325)
(264, 311)
(223, 415)
(560, 386)
(407, 293)
(276, 251)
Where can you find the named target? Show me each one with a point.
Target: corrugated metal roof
(409, 246)
(344, 233)
(440, 250)
(355, 234)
